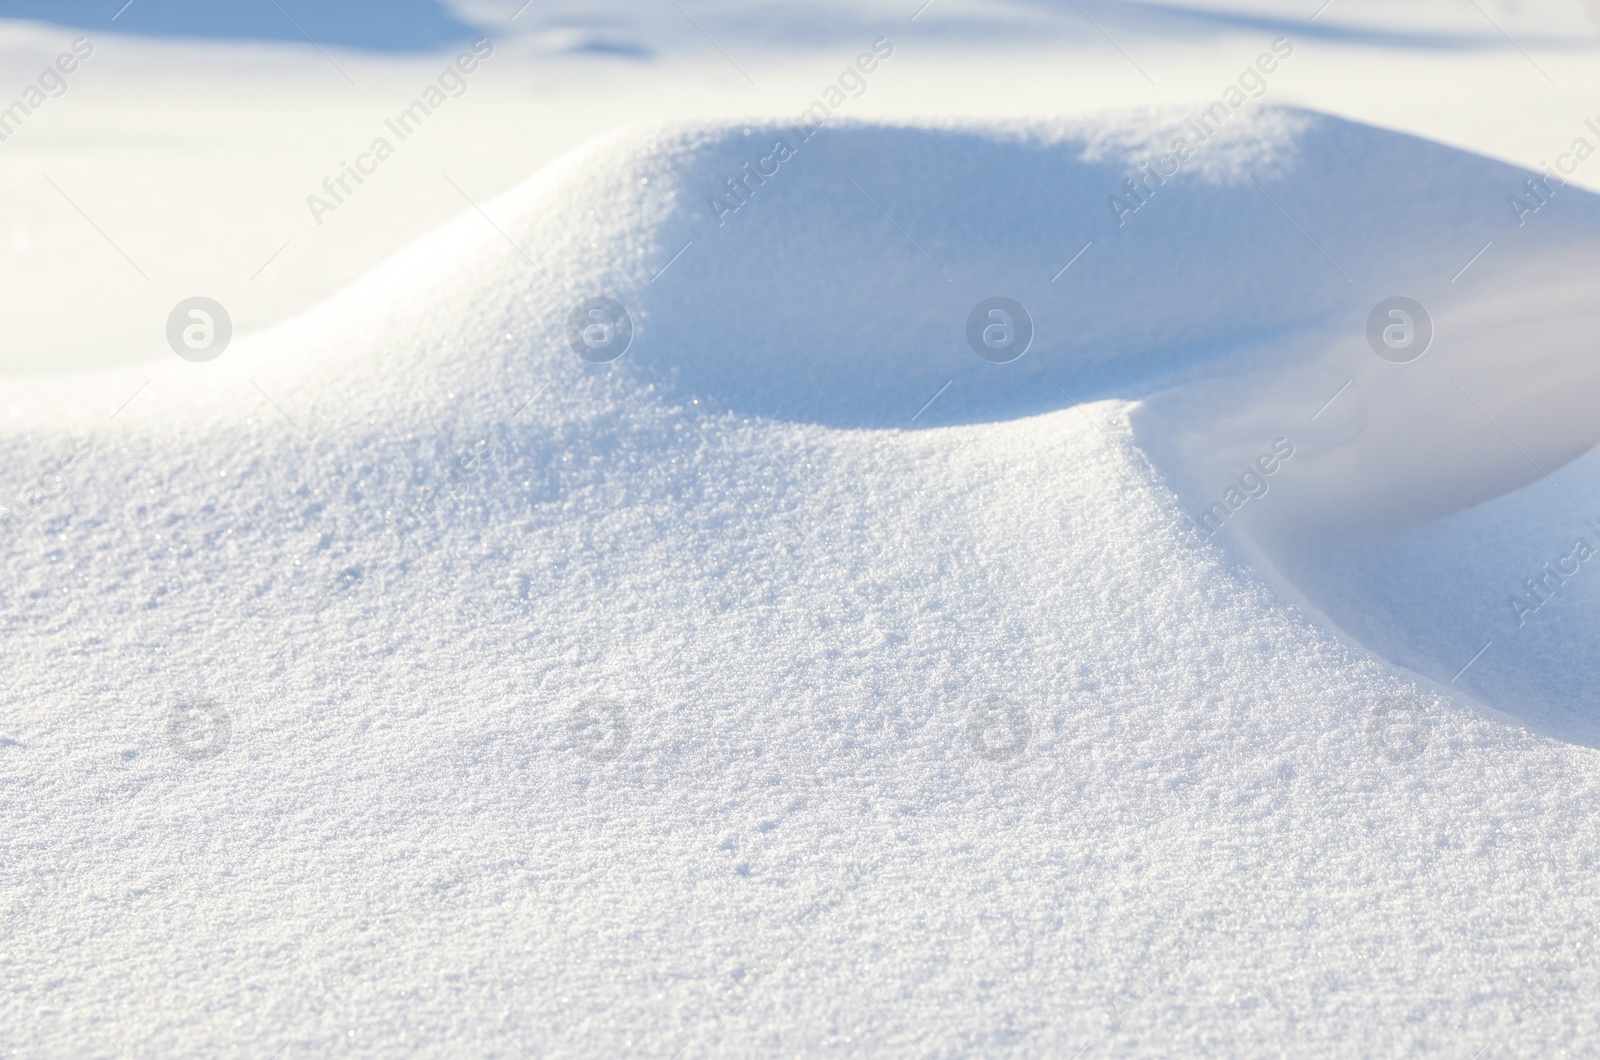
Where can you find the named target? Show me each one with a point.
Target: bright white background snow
(420, 554)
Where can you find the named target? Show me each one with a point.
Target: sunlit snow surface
(403, 683)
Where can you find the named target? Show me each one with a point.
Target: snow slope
(180, 165)
(801, 682)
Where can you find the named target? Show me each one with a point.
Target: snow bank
(404, 680)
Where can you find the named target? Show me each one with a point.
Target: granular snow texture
(799, 682)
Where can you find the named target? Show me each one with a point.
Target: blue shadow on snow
(371, 25)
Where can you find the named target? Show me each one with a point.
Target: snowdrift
(758, 665)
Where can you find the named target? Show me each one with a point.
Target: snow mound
(413, 678)
(727, 247)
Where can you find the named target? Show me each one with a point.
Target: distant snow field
(1036, 532)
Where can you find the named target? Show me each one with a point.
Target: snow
(800, 681)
